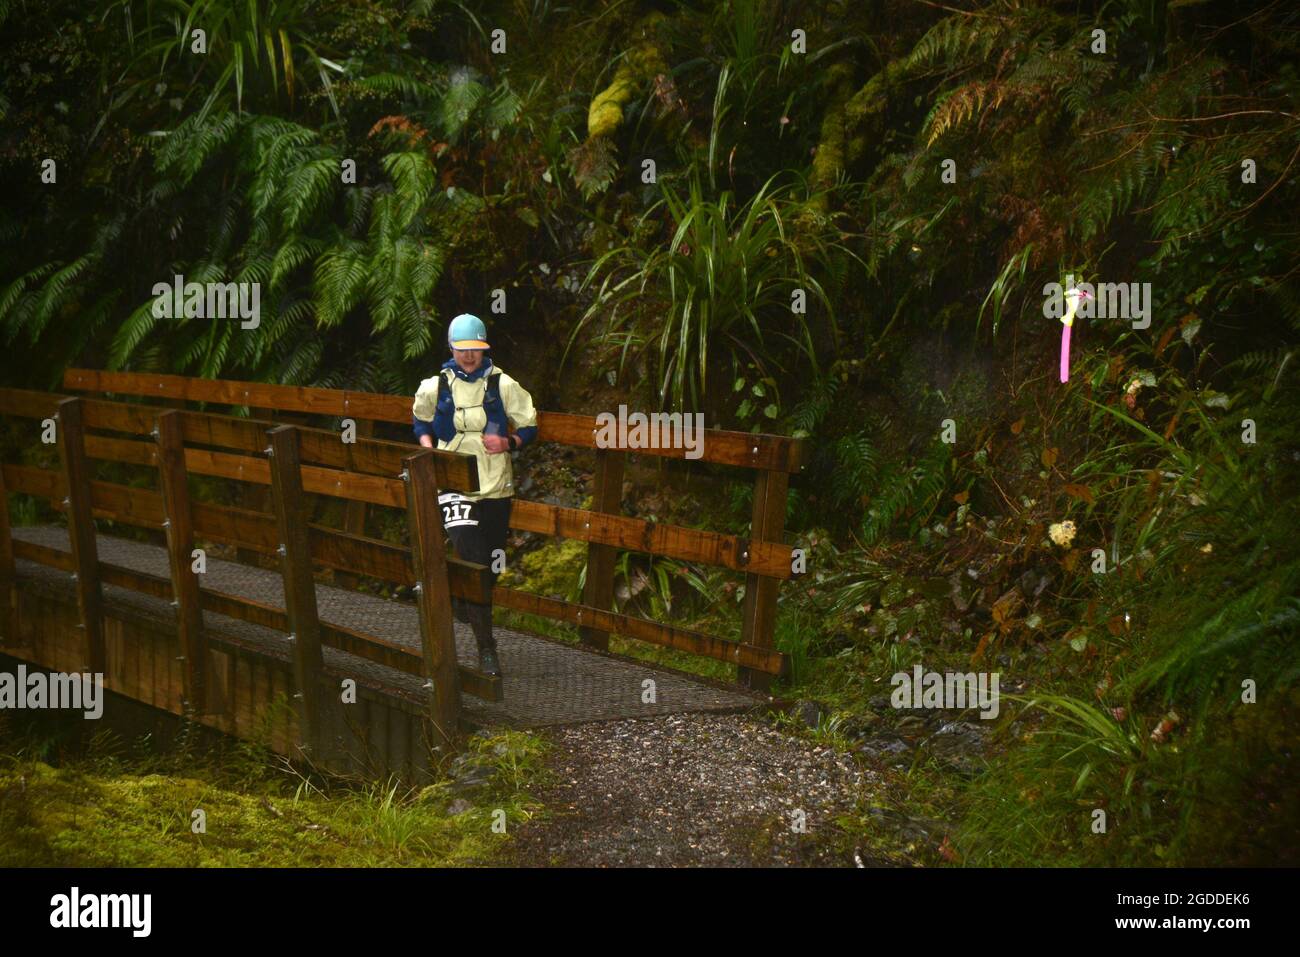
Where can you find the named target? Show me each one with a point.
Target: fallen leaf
(1081, 492)
(1173, 424)
(946, 850)
(1017, 426)
(1049, 456)
(961, 498)
(1164, 340)
(1006, 606)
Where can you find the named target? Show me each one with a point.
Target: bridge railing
(762, 557)
(294, 462)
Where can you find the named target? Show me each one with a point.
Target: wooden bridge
(297, 656)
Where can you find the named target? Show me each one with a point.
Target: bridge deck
(545, 682)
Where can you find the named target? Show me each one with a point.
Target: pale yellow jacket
(495, 471)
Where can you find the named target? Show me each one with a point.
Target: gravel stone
(690, 790)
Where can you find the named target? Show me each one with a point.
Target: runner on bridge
(471, 406)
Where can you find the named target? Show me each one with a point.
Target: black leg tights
(476, 530)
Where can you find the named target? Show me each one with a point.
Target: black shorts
(476, 529)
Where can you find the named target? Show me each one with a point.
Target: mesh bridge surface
(545, 682)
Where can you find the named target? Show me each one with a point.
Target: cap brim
(470, 344)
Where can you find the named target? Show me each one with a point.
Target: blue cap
(467, 332)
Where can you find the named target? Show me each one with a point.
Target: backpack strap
(443, 382)
(493, 395)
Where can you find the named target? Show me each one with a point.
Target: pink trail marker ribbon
(1065, 348)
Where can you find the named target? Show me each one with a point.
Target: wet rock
(889, 748)
(906, 827)
(809, 712)
(960, 745)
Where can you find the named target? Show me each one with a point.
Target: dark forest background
(1163, 150)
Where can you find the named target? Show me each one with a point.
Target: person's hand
(496, 443)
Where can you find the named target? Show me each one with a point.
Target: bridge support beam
(606, 496)
(299, 584)
(179, 526)
(758, 615)
(81, 531)
(433, 600)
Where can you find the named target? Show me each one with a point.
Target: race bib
(456, 510)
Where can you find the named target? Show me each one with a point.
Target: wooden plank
(718, 447)
(433, 599)
(121, 450)
(223, 391)
(758, 614)
(252, 493)
(744, 449)
(28, 404)
(236, 526)
(114, 651)
(749, 656)
(399, 743)
(637, 535)
(220, 675)
(81, 530)
(245, 712)
(377, 737)
(43, 483)
(322, 447)
(179, 526)
(134, 506)
(606, 496)
(393, 563)
(8, 611)
(299, 584)
(43, 555)
(119, 416)
(354, 513)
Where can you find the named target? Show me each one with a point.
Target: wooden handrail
(455, 470)
(744, 449)
(368, 470)
(771, 559)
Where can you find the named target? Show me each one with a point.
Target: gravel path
(686, 790)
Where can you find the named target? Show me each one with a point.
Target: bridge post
(81, 530)
(758, 615)
(606, 496)
(8, 613)
(433, 598)
(299, 583)
(179, 526)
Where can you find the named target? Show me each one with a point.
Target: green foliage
(110, 805)
(913, 491)
(721, 278)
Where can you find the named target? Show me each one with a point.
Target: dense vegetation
(1161, 151)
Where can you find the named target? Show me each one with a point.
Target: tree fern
(913, 490)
